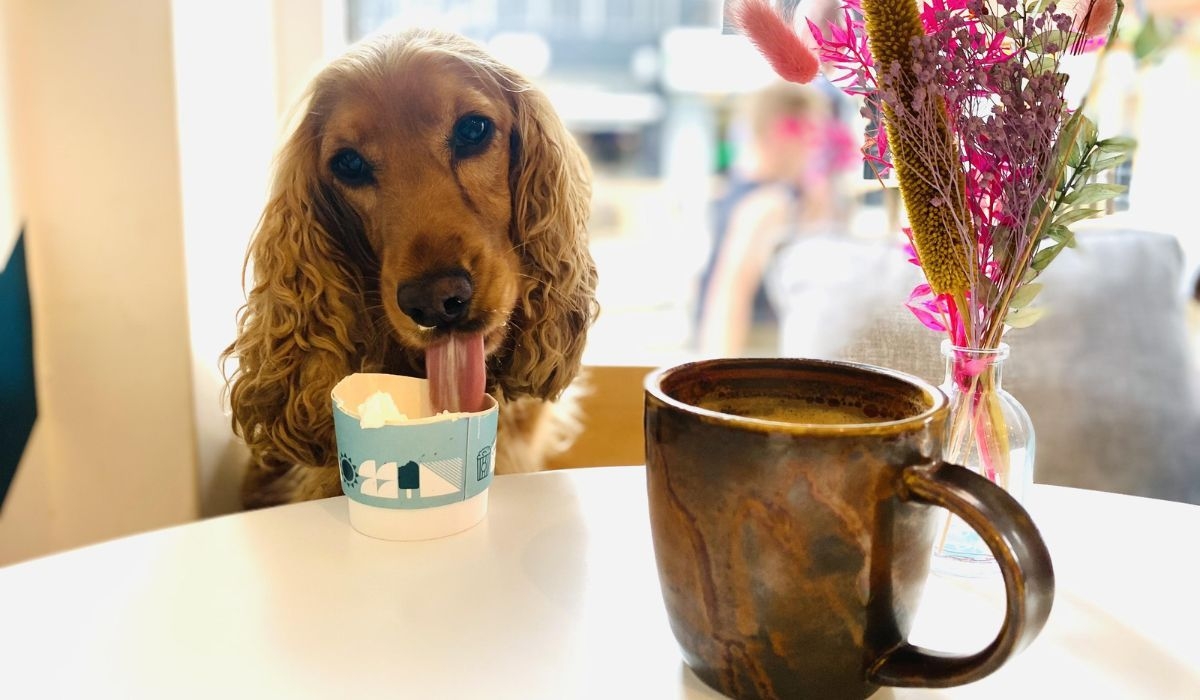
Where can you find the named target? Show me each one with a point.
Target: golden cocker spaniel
(428, 197)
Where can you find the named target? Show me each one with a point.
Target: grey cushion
(1107, 376)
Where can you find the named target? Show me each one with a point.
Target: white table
(553, 596)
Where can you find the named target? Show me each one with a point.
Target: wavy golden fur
(328, 257)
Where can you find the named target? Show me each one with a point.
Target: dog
(426, 195)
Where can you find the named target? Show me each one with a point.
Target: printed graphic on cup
(395, 453)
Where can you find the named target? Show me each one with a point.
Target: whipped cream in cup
(408, 472)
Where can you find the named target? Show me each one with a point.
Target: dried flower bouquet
(993, 164)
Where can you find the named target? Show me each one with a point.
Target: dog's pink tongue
(456, 373)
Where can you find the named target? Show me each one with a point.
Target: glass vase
(989, 432)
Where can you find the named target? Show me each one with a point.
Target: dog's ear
(304, 323)
(550, 181)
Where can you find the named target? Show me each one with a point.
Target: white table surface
(554, 595)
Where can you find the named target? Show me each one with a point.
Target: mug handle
(1024, 562)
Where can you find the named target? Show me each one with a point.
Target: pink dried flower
(924, 305)
(990, 70)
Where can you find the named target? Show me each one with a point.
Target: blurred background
(135, 146)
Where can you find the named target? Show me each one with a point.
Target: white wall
(239, 65)
(9, 219)
(225, 91)
(28, 498)
(26, 525)
(95, 154)
(141, 134)
(307, 33)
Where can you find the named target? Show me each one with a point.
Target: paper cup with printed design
(408, 473)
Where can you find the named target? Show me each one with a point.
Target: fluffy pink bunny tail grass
(787, 53)
(1093, 20)
(1093, 17)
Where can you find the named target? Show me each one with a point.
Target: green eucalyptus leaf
(1117, 144)
(985, 291)
(1057, 232)
(1073, 215)
(993, 22)
(1075, 154)
(1044, 257)
(1066, 143)
(1098, 165)
(1092, 193)
(1025, 294)
(1024, 318)
(1149, 40)
(1090, 130)
(1061, 234)
(1056, 37)
(1001, 254)
(1085, 138)
(1046, 63)
(1039, 207)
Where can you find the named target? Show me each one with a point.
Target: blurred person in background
(782, 184)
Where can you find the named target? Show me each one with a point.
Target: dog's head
(426, 190)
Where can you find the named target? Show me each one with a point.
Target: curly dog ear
(550, 182)
(305, 323)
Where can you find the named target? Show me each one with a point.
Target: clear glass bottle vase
(988, 431)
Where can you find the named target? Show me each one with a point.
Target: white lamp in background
(528, 52)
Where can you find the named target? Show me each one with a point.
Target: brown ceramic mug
(791, 503)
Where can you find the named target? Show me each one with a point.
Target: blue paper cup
(414, 476)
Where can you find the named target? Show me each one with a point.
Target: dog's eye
(471, 135)
(350, 167)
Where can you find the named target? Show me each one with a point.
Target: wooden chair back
(611, 413)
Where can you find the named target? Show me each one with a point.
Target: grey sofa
(1108, 376)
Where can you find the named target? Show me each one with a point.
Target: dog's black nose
(437, 301)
